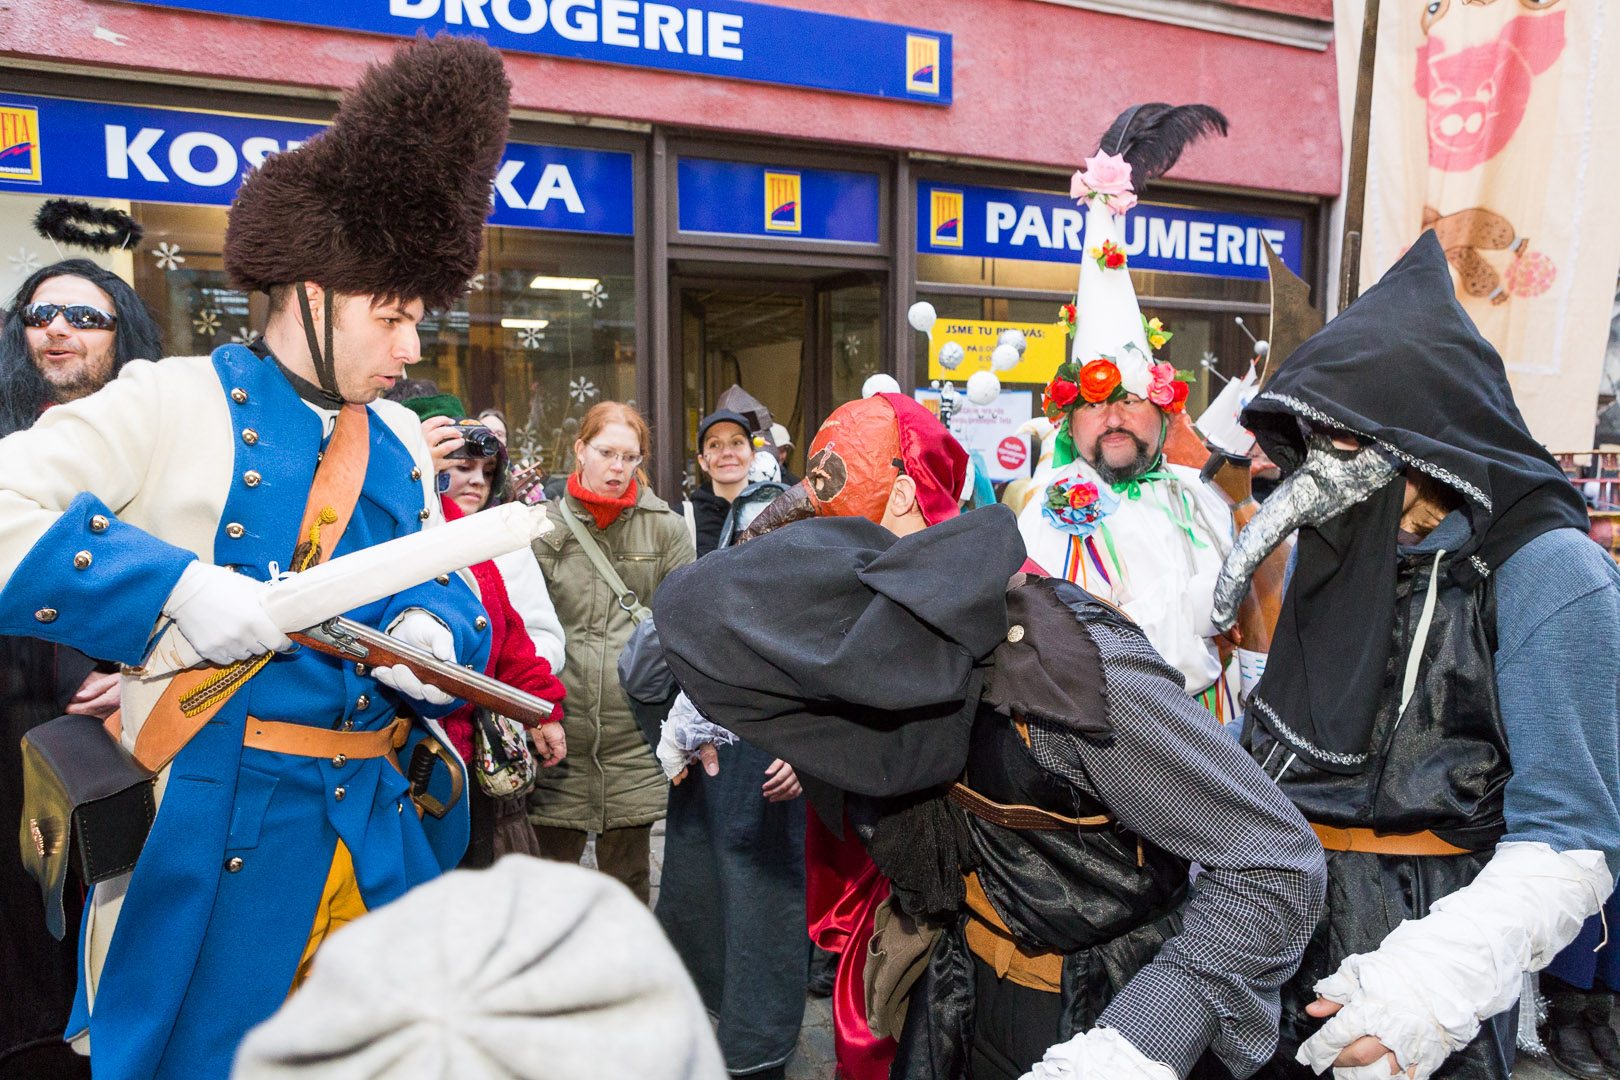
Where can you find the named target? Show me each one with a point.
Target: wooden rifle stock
(349, 640)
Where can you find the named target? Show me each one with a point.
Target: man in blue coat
(162, 505)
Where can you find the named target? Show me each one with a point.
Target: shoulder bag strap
(593, 551)
(193, 697)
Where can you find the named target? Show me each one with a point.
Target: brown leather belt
(1423, 843)
(306, 741)
(1022, 817)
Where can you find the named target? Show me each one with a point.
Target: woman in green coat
(610, 784)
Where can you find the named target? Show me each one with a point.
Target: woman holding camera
(610, 784)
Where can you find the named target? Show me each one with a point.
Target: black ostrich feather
(1151, 137)
(62, 220)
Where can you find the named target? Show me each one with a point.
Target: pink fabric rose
(1107, 174)
(1121, 203)
(1161, 385)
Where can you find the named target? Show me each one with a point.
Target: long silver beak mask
(1328, 483)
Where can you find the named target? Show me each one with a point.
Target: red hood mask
(864, 445)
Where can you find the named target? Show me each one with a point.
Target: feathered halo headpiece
(76, 223)
(1112, 350)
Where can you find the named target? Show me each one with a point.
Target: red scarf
(604, 509)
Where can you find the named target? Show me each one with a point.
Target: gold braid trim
(223, 683)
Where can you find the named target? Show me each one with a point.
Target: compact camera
(480, 441)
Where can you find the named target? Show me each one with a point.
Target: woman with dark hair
(72, 352)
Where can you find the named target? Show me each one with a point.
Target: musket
(349, 640)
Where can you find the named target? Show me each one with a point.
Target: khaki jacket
(610, 779)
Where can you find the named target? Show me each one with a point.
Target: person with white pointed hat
(1113, 516)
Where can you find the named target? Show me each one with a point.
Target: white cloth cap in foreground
(531, 968)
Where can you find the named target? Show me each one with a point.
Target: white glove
(420, 628)
(683, 731)
(221, 613)
(1424, 992)
(1098, 1054)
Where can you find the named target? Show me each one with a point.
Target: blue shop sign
(730, 38)
(736, 199)
(1006, 223)
(58, 146)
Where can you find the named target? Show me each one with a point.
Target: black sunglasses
(79, 316)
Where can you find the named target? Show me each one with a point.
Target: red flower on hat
(1178, 403)
(1098, 380)
(1060, 394)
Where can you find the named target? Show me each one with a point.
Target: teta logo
(19, 144)
(945, 219)
(922, 65)
(782, 202)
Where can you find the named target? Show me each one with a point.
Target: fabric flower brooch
(1075, 506)
(1106, 178)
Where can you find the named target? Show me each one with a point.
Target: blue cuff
(94, 583)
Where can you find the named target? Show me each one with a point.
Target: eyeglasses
(610, 456)
(79, 316)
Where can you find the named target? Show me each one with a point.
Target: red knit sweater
(512, 658)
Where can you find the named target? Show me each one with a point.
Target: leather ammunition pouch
(86, 802)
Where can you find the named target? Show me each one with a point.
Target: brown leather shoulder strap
(1023, 817)
(193, 697)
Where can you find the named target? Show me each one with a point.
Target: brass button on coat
(480, 623)
(359, 669)
(81, 561)
(234, 531)
(422, 514)
(1015, 633)
(239, 395)
(339, 793)
(45, 614)
(251, 478)
(250, 436)
(443, 579)
(233, 864)
(363, 702)
(416, 474)
(99, 523)
(341, 760)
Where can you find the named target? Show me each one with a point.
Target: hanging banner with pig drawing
(1496, 123)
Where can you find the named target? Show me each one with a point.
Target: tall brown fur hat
(391, 199)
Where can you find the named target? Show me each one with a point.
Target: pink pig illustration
(1477, 96)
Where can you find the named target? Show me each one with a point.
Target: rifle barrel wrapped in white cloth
(299, 601)
(1425, 991)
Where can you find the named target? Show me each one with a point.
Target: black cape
(854, 654)
(1405, 367)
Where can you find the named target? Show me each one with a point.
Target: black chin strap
(325, 369)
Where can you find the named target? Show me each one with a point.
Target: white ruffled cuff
(1425, 991)
(1098, 1054)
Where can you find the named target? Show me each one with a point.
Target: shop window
(546, 330)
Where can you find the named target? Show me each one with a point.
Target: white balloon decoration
(921, 316)
(951, 356)
(1015, 338)
(983, 387)
(879, 384)
(1005, 357)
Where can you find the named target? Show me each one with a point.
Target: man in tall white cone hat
(1113, 516)
(159, 507)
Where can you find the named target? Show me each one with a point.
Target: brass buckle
(427, 751)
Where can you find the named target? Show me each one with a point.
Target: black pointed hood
(1405, 366)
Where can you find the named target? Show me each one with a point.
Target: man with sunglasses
(66, 332)
(158, 508)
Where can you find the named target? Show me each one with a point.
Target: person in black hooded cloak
(1433, 702)
(1027, 774)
